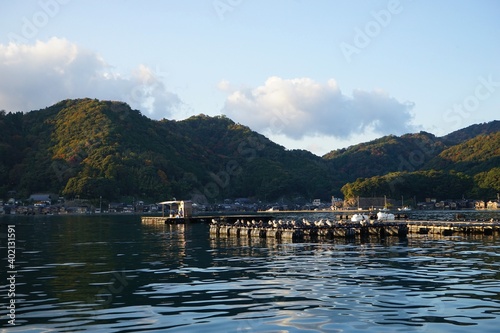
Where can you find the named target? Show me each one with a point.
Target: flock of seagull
(296, 224)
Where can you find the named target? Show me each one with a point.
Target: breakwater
(306, 230)
(450, 228)
(245, 226)
(327, 229)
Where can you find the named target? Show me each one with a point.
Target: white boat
(359, 218)
(404, 209)
(383, 216)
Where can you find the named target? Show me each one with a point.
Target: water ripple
(161, 279)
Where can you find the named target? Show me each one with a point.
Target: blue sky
(315, 75)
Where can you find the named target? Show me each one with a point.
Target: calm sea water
(113, 274)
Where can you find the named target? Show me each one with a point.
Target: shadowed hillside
(88, 148)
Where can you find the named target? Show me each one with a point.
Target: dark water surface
(113, 274)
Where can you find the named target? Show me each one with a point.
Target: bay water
(111, 273)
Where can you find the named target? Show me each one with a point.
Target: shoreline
(262, 213)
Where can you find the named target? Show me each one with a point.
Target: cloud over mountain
(302, 107)
(33, 76)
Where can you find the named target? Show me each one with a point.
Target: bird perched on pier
(214, 221)
(295, 224)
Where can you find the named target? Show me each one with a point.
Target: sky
(317, 75)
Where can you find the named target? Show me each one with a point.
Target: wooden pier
(313, 233)
(345, 229)
(447, 228)
(246, 226)
(223, 219)
(163, 220)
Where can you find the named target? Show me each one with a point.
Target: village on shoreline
(50, 204)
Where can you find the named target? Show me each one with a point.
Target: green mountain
(463, 163)
(88, 148)
(387, 154)
(471, 132)
(481, 153)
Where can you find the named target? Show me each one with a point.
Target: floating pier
(447, 228)
(226, 219)
(163, 220)
(293, 231)
(306, 231)
(260, 226)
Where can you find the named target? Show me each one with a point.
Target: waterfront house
(116, 207)
(47, 198)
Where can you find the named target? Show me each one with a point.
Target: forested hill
(390, 153)
(470, 132)
(90, 148)
(463, 163)
(481, 153)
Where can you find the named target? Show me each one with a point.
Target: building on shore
(177, 208)
(376, 202)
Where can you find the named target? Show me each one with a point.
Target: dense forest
(469, 169)
(88, 148)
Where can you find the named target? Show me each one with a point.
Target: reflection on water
(113, 274)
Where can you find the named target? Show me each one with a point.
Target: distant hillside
(475, 155)
(470, 132)
(88, 148)
(387, 154)
(390, 165)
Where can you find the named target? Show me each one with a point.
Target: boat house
(177, 208)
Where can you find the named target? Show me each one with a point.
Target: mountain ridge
(91, 148)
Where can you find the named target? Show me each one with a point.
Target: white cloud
(301, 107)
(33, 76)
